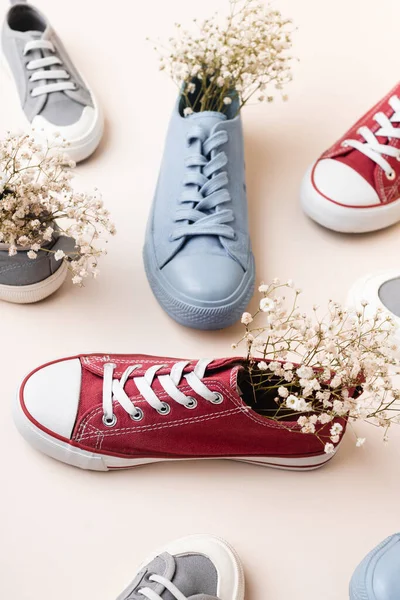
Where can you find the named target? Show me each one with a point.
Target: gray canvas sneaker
(197, 567)
(53, 95)
(24, 280)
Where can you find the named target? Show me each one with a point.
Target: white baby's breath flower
(283, 392)
(227, 100)
(292, 402)
(324, 418)
(246, 318)
(59, 255)
(262, 365)
(48, 234)
(263, 288)
(267, 304)
(308, 428)
(31, 254)
(336, 429)
(187, 111)
(360, 442)
(329, 448)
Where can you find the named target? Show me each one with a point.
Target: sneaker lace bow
(43, 70)
(113, 389)
(205, 190)
(372, 147)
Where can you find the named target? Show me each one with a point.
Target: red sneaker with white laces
(105, 412)
(355, 186)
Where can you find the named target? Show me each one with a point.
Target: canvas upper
(20, 270)
(126, 407)
(197, 248)
(192, 574)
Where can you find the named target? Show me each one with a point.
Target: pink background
(67, 533)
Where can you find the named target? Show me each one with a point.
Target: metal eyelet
(165, 409)
(191, 402)
(391, 175)
(218, 398)
(345, 144)
(138, 416)
(398, 157)
(109, 422)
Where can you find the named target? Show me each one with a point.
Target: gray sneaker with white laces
(24, 280)
(53, 95)
(197, 567)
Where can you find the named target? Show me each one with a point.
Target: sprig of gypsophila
(313, 365)
(244, 56)
(38, 202)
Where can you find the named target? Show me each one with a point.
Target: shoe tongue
(207, 119)
(228, 375)
(32, 34)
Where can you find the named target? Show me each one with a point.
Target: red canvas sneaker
(355, 186)
(105, 412)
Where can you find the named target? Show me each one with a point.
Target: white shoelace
(371, 147)
(43, 73)
(113, 389)
(152, 595)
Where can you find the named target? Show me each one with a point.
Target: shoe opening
(23, 17)
(257, 392)
(193, 94)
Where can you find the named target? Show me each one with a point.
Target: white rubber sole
(28, 294)
(342, 218)
(79, 148)
(230, 574)
(95, 461)
(367, 288)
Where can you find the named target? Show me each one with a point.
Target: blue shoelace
(205, 190)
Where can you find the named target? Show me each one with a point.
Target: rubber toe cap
(72, 132)
(51, 396)
(337, 182)
(204, 278)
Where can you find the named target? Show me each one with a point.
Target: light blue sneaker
(197, 252)
(377, 577)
